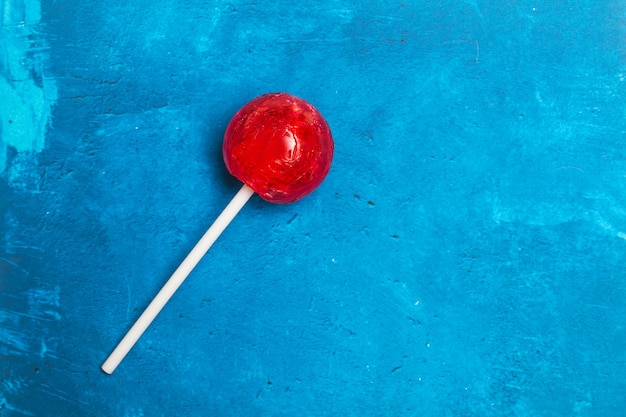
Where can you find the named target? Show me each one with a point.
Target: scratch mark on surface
(383, 17)
(476, 46)
(477, 51)
(25, 315)
(13, 343)
(128, 296)
(44, 303)
(5, 405)
(396, 368)
(474, 5)
(43, 349)
(14, 265)
(60, 395)
(568, 167)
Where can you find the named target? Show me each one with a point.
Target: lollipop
(280, 147)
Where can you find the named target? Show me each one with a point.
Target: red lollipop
(281, 147)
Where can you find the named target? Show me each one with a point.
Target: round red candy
(280, 146)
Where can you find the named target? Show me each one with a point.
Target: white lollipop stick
(177, 278)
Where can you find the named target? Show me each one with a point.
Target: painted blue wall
(465, 256)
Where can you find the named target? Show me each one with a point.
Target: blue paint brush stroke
(26, 94)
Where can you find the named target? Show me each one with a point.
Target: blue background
(464, 257)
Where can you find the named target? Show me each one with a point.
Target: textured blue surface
(465, 256)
